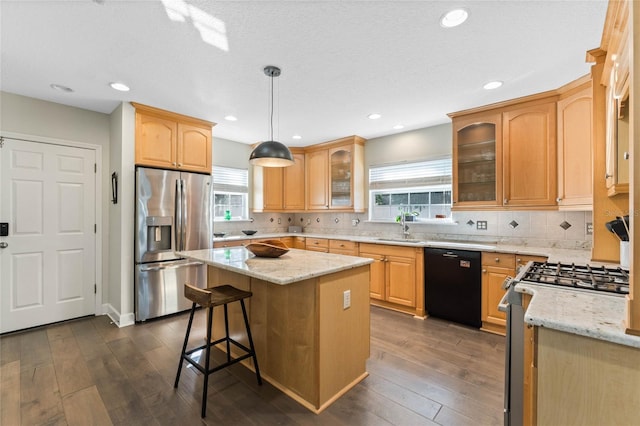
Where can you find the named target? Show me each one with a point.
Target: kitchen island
(309, 345)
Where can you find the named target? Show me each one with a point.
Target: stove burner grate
(597, 278)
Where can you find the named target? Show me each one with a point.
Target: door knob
(4, 245)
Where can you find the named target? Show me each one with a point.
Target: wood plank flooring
(89, 372)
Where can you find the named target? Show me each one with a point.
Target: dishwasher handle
(450, 254)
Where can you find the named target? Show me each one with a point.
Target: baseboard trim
(121, 320)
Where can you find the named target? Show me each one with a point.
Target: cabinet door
(194, 148)
(401, 280)
(340, 174)
(492, 292)
(156, 140)
(529, 156)
(477, 160)
(575, 146)
(317, 180)
(294, 184)
(272, 187)
(377, 275)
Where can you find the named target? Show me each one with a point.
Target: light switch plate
(346, 299)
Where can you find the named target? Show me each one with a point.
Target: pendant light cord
(271, 106)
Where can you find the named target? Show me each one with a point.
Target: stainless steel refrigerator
(173, 213)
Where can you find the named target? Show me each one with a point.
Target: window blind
(228, 179)
(411, 175)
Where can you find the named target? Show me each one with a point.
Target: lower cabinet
(317, 244)
(348, 248)
(397, 277)
(294, 242)
(496, 267)
(529, 388)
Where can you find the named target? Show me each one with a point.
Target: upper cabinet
(172, 141)
(327, 176)
(615, 77)
(282, 187)
(477, 159)
(505, 155)
(335, 175)
(575, 147)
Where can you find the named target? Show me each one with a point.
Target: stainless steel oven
(612, 280)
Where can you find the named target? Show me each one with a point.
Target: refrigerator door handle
(178, 215)
(160, 268)
(183, 206)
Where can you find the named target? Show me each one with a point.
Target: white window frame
(232, 182)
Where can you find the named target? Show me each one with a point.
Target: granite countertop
(578, 256)
(291, 267)
(596, 315)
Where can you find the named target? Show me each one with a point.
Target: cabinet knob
(607, 176)
(519, 260)
(179, 164)
(173, 164)
(558, 199)
(505, 201)
(484, 271)
(497, 260)
(625, 155)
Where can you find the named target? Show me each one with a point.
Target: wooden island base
(307, 345)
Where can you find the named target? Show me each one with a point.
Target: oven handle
(508, 284)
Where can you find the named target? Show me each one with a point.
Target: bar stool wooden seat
(209, 298)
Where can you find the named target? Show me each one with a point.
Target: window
(422, 188)
(230, 193)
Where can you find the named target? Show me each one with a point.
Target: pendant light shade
(271, 153)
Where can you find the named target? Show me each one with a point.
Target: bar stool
(208, 298)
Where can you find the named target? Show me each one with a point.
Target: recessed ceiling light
(296, 137)
(121, 87)
(231, 118)
(398, 126)
(374, 116)
(61, 88)
(492, 85)
(453, 18)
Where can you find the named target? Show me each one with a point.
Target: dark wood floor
(89, 372)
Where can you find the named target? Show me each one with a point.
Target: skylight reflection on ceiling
(212, 30)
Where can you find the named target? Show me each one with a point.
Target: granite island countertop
(293, 266)
(591, 314)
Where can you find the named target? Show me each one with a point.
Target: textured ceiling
(340, 60)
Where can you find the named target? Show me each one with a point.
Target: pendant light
(271, 153)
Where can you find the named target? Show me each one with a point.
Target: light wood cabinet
(317, 244)
(335, 175)
(529, 388)
(529, 155)
(575, 148)
(397, 277)
(317, 180)
(230, 243)
(349, 248)
(496, 267)
(172, 141)
(504, 156)
(282, 187)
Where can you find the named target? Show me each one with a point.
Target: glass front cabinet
(477, 160)
(340, 168)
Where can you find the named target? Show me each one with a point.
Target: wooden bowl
(249, 232)
(268, 248)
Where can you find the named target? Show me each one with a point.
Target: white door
(47, 263)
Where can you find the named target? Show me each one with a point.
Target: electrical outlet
(589, 228)
(355, 222)
(481, 225)
(346, 299)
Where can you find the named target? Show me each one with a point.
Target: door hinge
(95, 168)
(95, 288)
(95, 228)
(1, 141)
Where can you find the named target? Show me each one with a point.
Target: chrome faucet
(403, 224)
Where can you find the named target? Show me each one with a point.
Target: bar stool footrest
(200, 368)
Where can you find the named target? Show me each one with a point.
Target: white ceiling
(340, 60)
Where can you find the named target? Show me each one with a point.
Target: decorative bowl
(268, 248)
(249, 232)
(219, 234)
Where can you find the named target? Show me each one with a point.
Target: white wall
(35, 117)
(121, 224)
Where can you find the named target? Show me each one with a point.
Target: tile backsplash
(530, 228)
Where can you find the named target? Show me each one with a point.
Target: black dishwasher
(452, 285)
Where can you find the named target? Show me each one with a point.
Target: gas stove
(613, 280)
